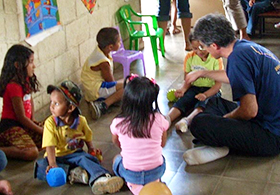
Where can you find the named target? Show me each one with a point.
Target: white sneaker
(204, 154)
(182, 125)
(107, 184)
(78, 175)
(277, 25)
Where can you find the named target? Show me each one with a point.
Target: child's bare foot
(176, 30)
(5, 187)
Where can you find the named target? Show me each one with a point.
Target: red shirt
(15, 90)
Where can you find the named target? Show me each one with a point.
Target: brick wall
(61, 55)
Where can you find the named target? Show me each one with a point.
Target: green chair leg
(154, 48)
(137, 44)
(161, 43)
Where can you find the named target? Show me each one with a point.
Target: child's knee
(30, 153)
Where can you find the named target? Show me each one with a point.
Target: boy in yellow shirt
(65, 133)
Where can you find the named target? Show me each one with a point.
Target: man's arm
(247, 110)
(217, 75)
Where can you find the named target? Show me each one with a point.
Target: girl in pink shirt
(140, 131)
(20, 136)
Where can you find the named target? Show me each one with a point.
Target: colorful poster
(89, 4)
(39, 15)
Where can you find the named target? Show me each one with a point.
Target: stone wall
(61, 55)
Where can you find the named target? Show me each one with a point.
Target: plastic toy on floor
(171, 95)
(155, 188)
(98, 154)
(56, 177)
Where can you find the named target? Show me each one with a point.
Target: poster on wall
(89, 4)
(41, 19)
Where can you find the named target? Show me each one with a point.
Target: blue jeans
(138, 177)
(79, 159)
(188, 101)
(3, 160)
(252, 13)
(164, 9)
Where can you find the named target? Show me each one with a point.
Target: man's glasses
(201, 48)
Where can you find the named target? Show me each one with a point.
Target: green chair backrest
(126, 13)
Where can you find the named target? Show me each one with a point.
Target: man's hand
(193, 76)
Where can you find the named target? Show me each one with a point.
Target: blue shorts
(138, 177)
(107, 89)
(164, 9)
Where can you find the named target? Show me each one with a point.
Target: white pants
(235, 14)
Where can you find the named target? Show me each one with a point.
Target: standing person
(251, 126)
(101, 89)
(195, 95)
(183, 13)
(20, 136)
(65, 132)
(252, 9)
(140, 131)
(5, 186)
(235, 14)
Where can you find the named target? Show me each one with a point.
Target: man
(251, 126)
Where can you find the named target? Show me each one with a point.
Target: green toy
(171, 95)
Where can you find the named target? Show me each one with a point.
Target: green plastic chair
(126, 13)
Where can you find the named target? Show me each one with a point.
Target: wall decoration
(89, 4)
(40, 15)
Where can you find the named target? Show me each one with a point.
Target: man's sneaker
(107, 184)
(182, 125)
(97, 108)
(78, 175)
(204, 154)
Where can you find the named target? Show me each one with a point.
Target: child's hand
(179, 93)
(201, 97)
(252, 2)
(97, 153)
(90, 150)
(49, 167)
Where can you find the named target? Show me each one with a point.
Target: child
(140, 130)
(65, 131)
(101, 89)
(20, 136)
(195, 95)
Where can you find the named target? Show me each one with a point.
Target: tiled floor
(231, 175)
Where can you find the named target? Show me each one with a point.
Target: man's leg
(238, 135)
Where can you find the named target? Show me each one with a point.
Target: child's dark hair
(140, 94)
(107, 36)
(14, 69)
(191, 37)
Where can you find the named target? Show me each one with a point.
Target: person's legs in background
(256, 9)
(235, 14)
(174, 12)
(163, 15)
(185, 16)
(253, 12)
